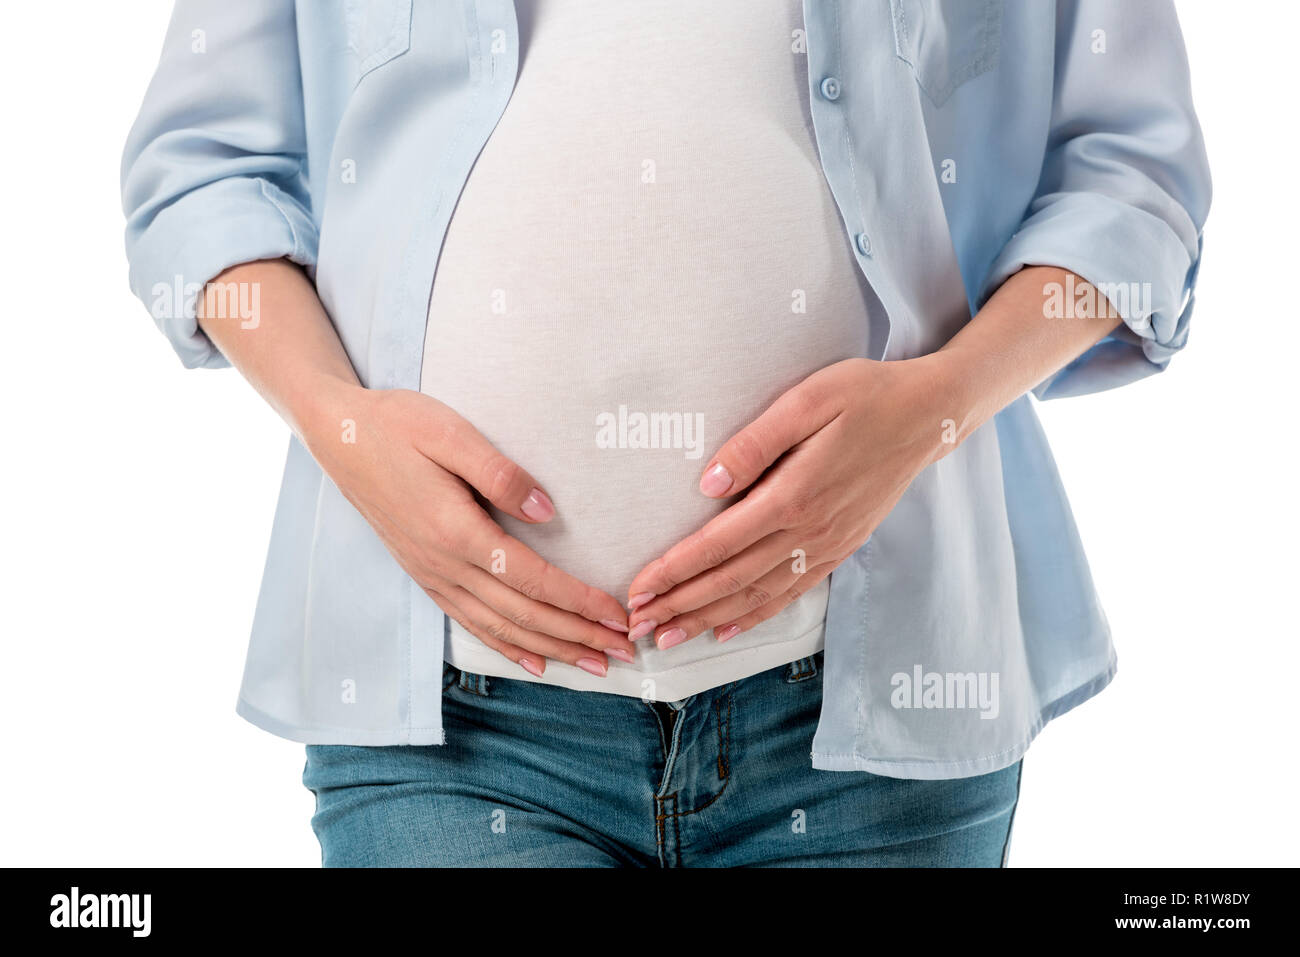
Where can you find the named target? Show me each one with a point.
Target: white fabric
(612, 254)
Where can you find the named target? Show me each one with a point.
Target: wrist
(322, 406)
(951, 397)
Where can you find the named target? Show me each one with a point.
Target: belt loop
(474, 684)
(801, 670)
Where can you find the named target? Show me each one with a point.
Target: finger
(797, 414)
(722, 538)
(461, 449)
(485, 621)
(773, 586)
(747, 621)
(543, 618)
(486, 545)
(533, 664)
(715, 583)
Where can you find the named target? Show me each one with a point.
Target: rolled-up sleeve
(1125, 186)
(213, 173)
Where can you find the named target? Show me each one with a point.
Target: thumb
(460, 448)
(797, 414)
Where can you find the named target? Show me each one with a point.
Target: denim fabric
(535, 775)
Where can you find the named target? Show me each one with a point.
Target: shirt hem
(911, 768)
(920, 769)
(283, 729)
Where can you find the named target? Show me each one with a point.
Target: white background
(136, 501)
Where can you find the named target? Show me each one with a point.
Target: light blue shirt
(961, 139)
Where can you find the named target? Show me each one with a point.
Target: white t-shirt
(646, 255)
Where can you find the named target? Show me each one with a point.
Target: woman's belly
(645, 256)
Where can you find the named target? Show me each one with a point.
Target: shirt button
(863, 242)
(831, 88)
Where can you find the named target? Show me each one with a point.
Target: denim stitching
(659, 726)
(663, 814)
(1006, 843)
(724, 744)
(677, 833)
(724, 740)
(661, 827)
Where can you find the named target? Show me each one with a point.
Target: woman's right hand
(410, 466)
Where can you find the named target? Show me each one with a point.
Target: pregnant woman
(664, 487)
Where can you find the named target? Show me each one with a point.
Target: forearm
(291, 353)
(1009, 347)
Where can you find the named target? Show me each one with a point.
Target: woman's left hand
(850, 439)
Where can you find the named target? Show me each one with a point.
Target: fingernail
(531, 667)
(592, 666)
(537, 506)
(621, 654)
(642, 599)
(731, 631)
(614, 625)
(716, 480)
(641, 630)
(673, 636)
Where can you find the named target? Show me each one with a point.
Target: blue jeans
(534, 775)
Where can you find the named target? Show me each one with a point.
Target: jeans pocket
(947, 42)
(378, 31)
